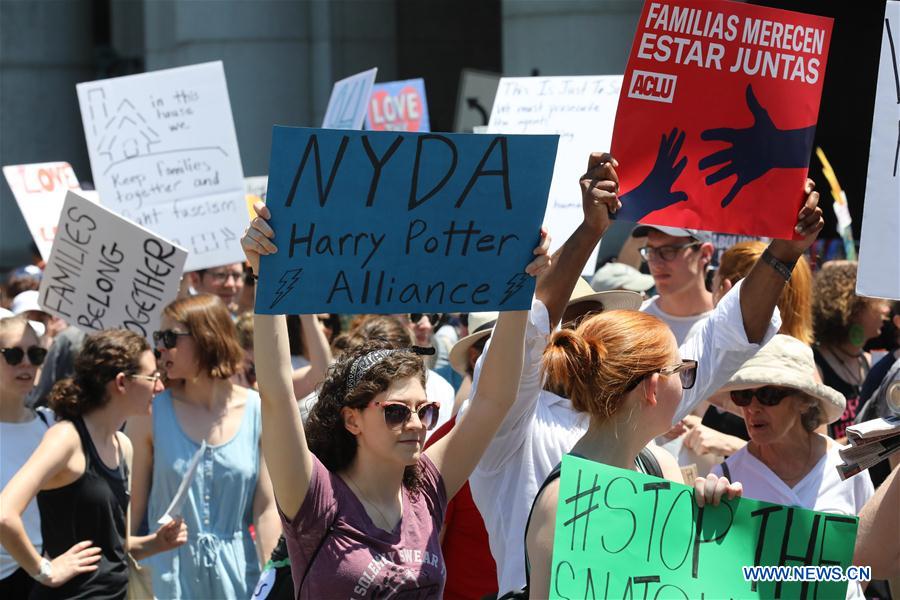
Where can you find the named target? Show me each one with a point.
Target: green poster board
(623, 534)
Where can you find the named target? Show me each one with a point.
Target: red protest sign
(717, 115)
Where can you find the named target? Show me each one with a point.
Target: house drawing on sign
(124, 133)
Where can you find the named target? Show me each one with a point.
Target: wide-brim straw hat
(788, 362)
(482, 324)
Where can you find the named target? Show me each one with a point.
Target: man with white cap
(541, 426)
(678, 260)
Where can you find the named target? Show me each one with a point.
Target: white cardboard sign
(106, 272)
(164, 154)
(40, 190)
(879, 247)
(349, 101)
(582, 111)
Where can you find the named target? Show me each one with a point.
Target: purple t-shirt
(357, 559)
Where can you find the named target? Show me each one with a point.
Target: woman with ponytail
(623, 370)
(80, 473)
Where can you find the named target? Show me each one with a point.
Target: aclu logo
(652, 86)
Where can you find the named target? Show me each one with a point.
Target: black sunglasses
(686, 369)
(167, 337)
(434, 318)
(767, 396)
(14, 356)
(398, 413)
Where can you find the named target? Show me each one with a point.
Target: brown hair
(380, 327)
(244, 327)
(207, 319)
(795, 302)
(103, 356)
(835, 304)
(596, 364)
(326, 435)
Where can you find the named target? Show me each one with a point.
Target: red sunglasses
(396, 414)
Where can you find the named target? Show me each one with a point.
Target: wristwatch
(783, 269)
(43, 577)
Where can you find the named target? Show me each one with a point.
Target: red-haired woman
(622, 369)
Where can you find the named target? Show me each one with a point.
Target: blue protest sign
(387, 222)
(398, 106)
(349, 99)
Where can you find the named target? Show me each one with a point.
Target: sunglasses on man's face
(167, 337)
(14, 356)
(767, 396)
(396, 414)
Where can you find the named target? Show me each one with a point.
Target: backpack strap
(726, 471)
(43, 417)
(647, 463)
(554, 475)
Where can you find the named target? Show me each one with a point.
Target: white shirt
(682, 327)
(19, 441)
(541, 427)
(438, 389)
(821, 489)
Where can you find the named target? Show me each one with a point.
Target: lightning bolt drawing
(515, 283)
(288, 281)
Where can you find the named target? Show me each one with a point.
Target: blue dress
(219, 560)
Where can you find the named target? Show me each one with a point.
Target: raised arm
(307, 378)
(283, 442)
(764, 284)
(599, 188)
(745, 316)
(457, 453)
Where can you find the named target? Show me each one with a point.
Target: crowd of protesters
(367, 455)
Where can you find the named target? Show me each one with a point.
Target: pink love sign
(398, 106)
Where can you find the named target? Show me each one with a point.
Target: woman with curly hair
(843, 322)
(361, 503)
(80, 475)
(202, 409)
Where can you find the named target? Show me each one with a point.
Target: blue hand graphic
(655, 191)
(755, 150)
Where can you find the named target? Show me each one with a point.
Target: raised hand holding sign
(385, 222)
(745, 103)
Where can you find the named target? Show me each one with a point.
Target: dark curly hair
(326, 435)
(103, 356)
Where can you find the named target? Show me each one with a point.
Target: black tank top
(833, 379)
(91, 508)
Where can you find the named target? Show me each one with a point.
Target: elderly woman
(786, 462)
